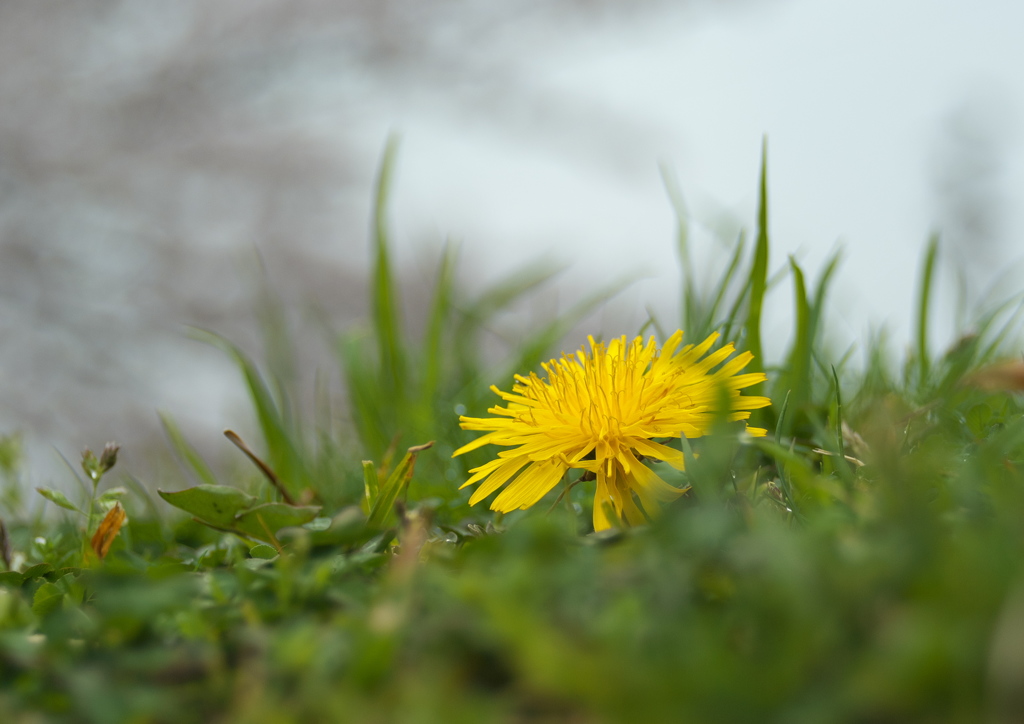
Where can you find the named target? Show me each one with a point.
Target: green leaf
(37, 571)
(112, 496)
(13, 579)
(347, 527)
(57, 497)
(318, 525)
(394, 485)
(48, 597)
(263, 551)
(216, 504)
(263, 521)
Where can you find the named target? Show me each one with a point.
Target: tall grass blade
(188, 455)
(818, 306)
(758, 287)
(282, 451)
(385, 292)
(371, 485)
(690, 298)
(724, 284)
(797, 376)
(923, 309)
(440, 314)
(536, 347)
(759, 272)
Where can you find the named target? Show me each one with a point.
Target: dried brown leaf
(1007, 376)
(108, 529)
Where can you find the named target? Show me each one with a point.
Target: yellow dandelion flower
(601, 412)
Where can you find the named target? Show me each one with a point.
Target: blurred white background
(151, 152)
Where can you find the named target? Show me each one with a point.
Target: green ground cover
(859, 563)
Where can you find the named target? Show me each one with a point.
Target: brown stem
(264, 468)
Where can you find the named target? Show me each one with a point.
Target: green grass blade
(783, 421)
(440, 315)
(371, 486)
(385, 292)
(395, 484)
(759, 272)
(923, 310)
(758, 287)
(724, 283)
(690, 298)
(282, 453)
(797, 375)
(186, 453)
(509, 289)
(818, 306)
(536, 348)
(367, 407)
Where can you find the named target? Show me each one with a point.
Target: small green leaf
(57, 497)
(48, 597)
(264, 551)
(272, 517)
(370, 484)
(216, 504)
(12, 579)
(394, 485)
(112, 496)
(37, 571)
(347, 527)
(318, 524)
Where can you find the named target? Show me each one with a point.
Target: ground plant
(661, 528)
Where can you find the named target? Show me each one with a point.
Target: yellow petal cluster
(601, 412)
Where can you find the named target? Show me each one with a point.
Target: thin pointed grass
(187, 455)
(758, 273)
(536, 347)
(699, 307)
(690, 300)
(841, 462)
(796, 377)
(817, 309)
(385, 292)
(446, 371)
(923, 312)
(278, 346)
(477, 314)
(440, 313)
(74, 472)
(725, 282)
(783, 421)
(282, 438)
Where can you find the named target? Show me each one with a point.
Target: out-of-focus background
(161, 163)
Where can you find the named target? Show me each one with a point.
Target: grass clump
(859, 563)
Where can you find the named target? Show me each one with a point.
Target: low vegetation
(861, 562)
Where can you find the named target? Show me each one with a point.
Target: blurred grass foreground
(858, 558)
